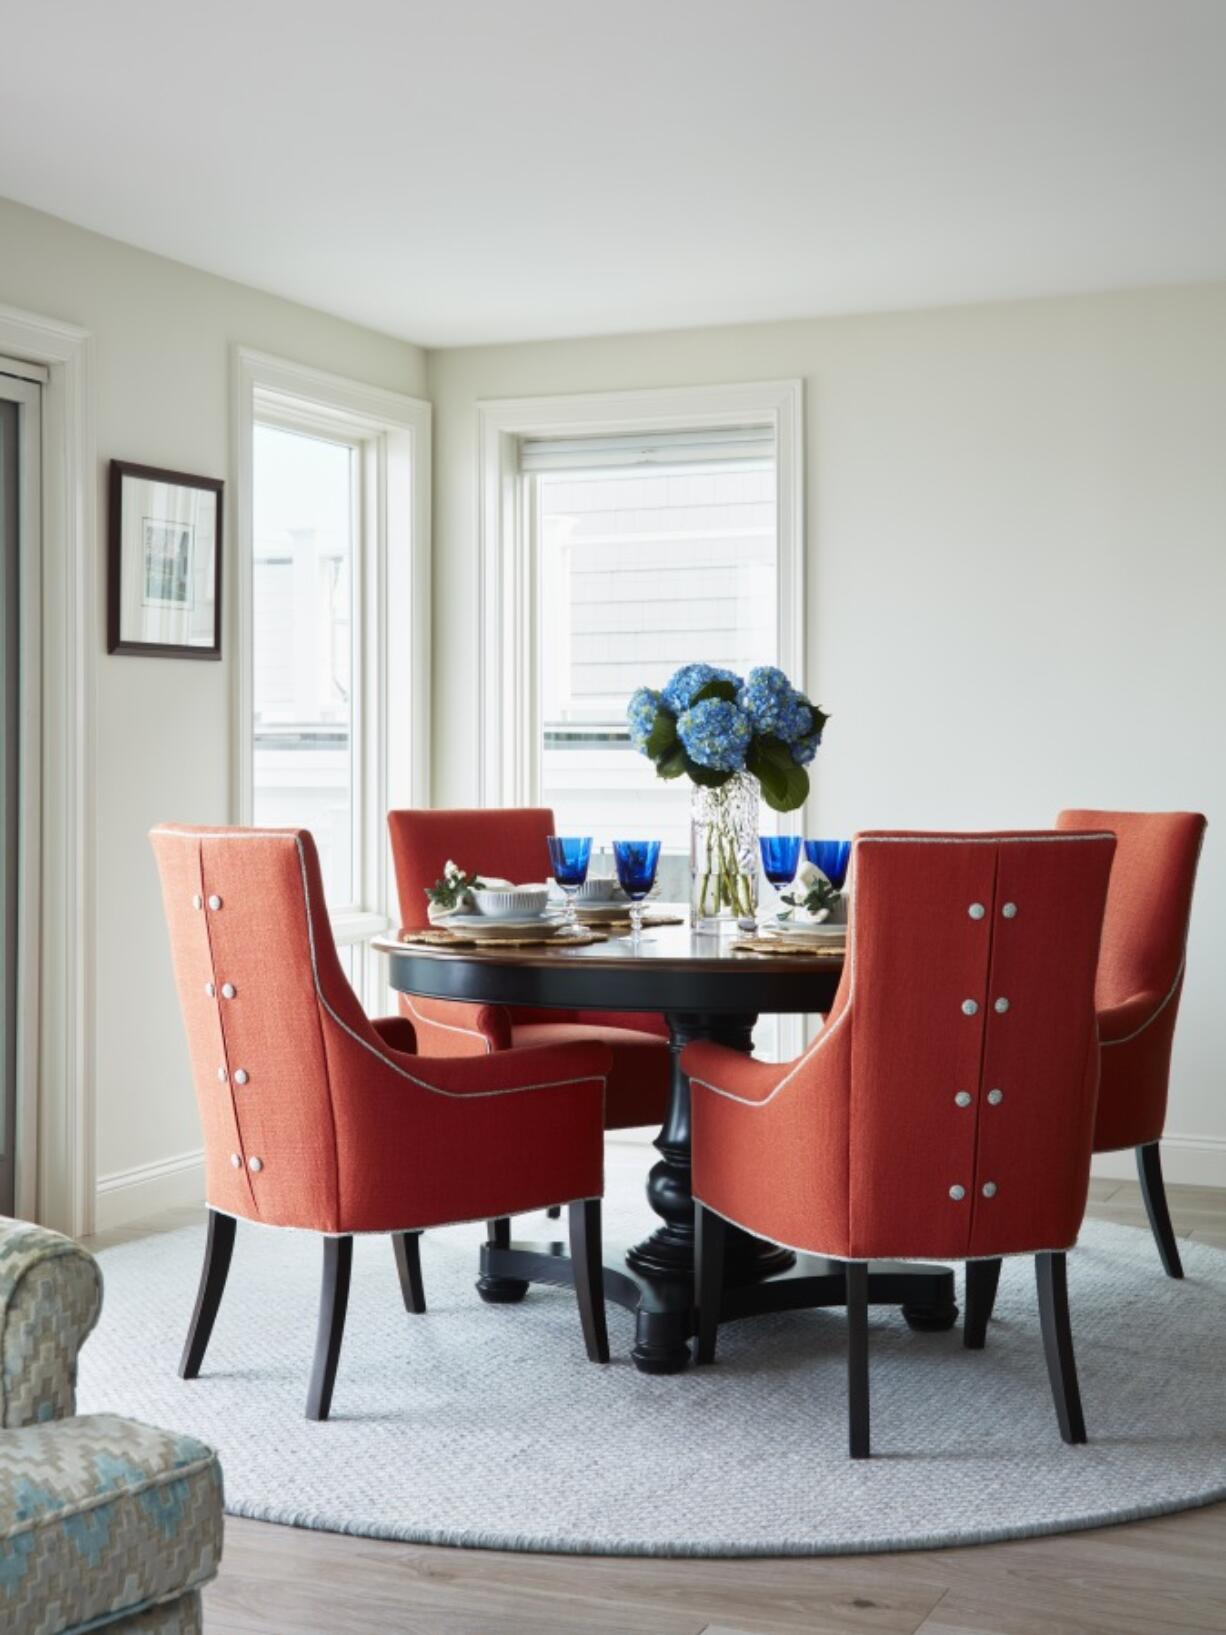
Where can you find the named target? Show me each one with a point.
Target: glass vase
(724, 853)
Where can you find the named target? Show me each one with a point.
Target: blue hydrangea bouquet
(733, 738)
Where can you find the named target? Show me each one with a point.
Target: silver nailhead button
(221, 1075)
(957, 1193)
(962, 1099)
(989, 1189)
(1001, 1005)
(214, 901)
(995, 1097)
(240, 1075)
(209, 989)
(976, 911)
(227, 990)
(197, 901)
(969, 1007)
(1009, 910)
(257, 1164)
(236, 1161)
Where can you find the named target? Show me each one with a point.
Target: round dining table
(705, 989)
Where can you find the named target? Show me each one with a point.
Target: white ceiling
(455, 171)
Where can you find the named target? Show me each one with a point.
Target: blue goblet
(570, 856)
(831, 857)
(780, 855)
(636, 871)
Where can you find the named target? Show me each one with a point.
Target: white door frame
(56, 1148)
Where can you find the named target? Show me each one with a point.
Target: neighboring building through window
(653, 552)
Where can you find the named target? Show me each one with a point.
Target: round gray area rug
(486, 1425)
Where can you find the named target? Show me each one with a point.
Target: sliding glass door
(19, 443)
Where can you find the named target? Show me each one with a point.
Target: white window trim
(55, 1139)
(396, 576)
(509, 684)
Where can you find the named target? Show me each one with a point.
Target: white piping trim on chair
(424, 1084)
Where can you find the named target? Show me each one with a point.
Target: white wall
(1017, 573)
(163, 337)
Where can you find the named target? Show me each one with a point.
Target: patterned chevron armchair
(104, 1524)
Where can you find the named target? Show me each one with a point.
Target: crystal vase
(724, 853)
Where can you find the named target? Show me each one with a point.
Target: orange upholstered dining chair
(1140, 980)
(946, 1109)
(318, 1119)
(510, 844)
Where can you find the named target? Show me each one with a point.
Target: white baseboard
(129, 1194)
(1187, 1160)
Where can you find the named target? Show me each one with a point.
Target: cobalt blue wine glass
(831, 857)
(570, 856)
(636, 871)
(780, 855)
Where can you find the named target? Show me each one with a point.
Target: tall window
(653, 551)
(306, 547)
(334, 621)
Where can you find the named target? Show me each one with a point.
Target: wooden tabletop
(672, 968)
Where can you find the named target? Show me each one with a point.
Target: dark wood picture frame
(120, 472)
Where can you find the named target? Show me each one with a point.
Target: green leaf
(766, 770)
(795, 791)
(662, 737)
(706, 776)
(715, 689)
(671, 765)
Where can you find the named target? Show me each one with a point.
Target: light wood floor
(1161, 1577)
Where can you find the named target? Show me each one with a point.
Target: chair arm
(425, 1141)
(732, 1071)
(397, 1032)
(50, 1297)
(451, 1027)
(1120, 1022)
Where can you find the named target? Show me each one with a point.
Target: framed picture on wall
(164, 563)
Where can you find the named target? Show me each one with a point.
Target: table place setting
(812, 920)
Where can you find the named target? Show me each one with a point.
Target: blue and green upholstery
(104, 1523)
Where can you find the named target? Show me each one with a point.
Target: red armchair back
(946, 1108)
(508, 844)
(310, 1118)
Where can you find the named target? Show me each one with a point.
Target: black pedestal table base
(658, 1282)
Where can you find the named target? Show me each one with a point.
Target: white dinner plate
(808, 931)
(619, 910)
(481, 926)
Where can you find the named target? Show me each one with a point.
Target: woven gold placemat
(650, 920)
(785, 945)
(440, 937)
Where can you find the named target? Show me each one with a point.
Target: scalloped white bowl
(520, 902)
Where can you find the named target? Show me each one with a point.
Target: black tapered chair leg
(1051, 1276)
(498, 1232)
(333, 1302)
(710, 1236)
(857, 1359)
(982, 1276)
(218, 1248)
(1153, 1190)
(554, 1212)
(587, 1258)
(407, 1248)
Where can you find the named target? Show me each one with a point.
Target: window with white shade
(653, 551)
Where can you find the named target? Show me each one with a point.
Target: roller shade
(697, 447)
